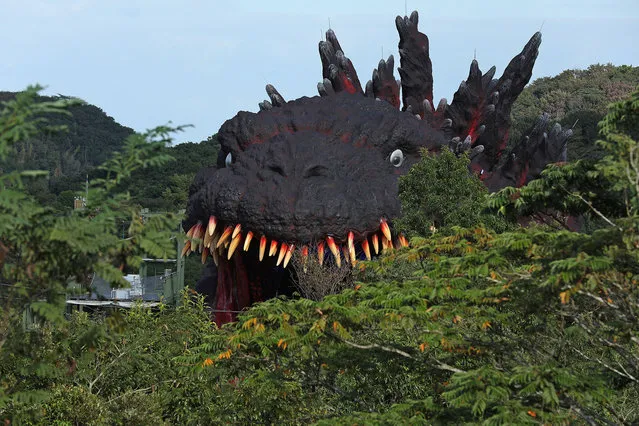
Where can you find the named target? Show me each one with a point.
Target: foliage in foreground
(112, 372)
(469, 326)
(520, 327)
(44, 255)
(439, 192)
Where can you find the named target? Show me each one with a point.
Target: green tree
(596, 190)
(440, 192)
(127, 377)
(44, 255)
(577, 99)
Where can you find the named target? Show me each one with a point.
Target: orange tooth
(262, 247)
(320, 252)
(212, 225)
(216, 257)
(283, 249)
(227, 233)
(366, 248)
(233, 246)
(330, 241)
(386, 244)
(289, 253)
(247, 242)
(375, 243)
(331, 245)
(197, 233)
(186, 248)
(402, 240)
(237, 230)
(385, 229)
(304, 256)
(205, 254)
(345, 250)
(207, 239)
(273, 248)
(351, 246)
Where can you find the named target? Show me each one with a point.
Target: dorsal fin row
(477, 119)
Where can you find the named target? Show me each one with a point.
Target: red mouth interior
(244, 280)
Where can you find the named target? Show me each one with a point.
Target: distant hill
(167, 188)
(68, 156)
(91, 138)
(576, 98)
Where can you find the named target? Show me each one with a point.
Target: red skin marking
(361, 142)
(346, 83)
(262, 137)
(573, 224)
(522, 178)
(472, 128)
(394, 100)
(346, 137)
(502, 145)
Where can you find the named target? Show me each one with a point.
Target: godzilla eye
(397, 158)
(229, 159)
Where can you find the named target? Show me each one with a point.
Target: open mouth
(252, 267)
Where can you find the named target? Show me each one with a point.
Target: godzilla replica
(319, 176)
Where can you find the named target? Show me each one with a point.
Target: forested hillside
(90, 138)
(167, 189)
(576, 99)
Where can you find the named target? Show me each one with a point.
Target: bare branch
(614, 370)
(589, 204)
(376, 346)
(440, 365)
(598, 299)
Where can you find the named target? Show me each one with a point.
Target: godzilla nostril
(277, 169)
(316, 170)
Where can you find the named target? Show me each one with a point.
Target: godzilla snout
(304, 187)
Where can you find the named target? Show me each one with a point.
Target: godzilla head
(321, 174)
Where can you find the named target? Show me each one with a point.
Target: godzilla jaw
(223, 241)
(251, 267)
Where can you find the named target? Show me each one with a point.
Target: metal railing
(149, 289)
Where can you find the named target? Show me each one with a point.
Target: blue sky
(145, 62)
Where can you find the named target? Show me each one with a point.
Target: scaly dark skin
(319, 176)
